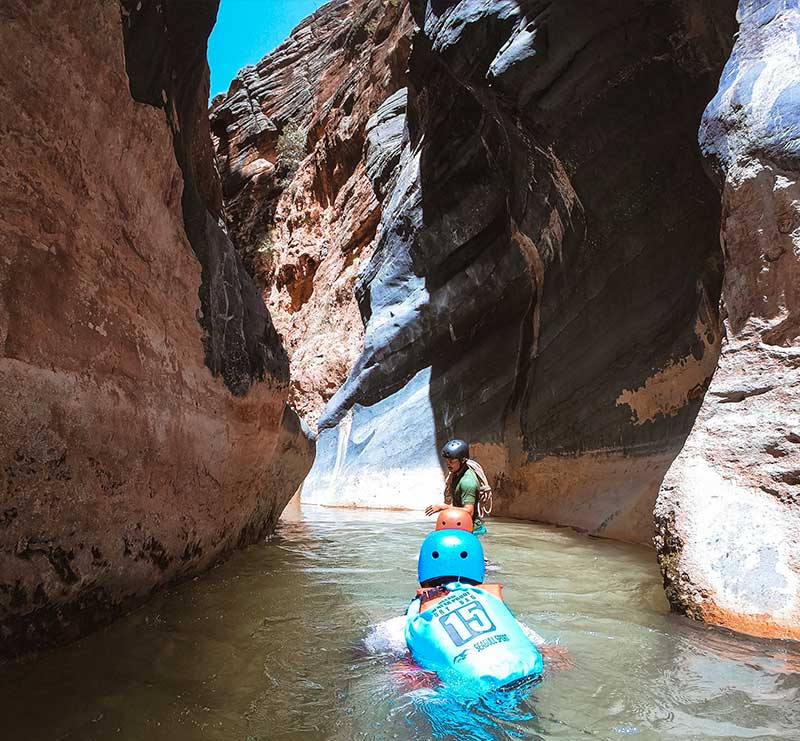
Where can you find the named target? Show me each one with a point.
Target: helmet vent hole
(435, 554)
(463, 554)
(459, 523)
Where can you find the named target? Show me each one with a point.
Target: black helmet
(455, 449)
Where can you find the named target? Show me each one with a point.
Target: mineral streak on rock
(667, 391)
(550, 245)
(728, 514)
(125, 464)
(304, 168)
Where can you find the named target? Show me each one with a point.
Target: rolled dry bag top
(471, 640)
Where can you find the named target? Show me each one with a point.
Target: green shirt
(466, 492)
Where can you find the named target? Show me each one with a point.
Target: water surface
(270, 645)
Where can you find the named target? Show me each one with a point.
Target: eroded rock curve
(728, 514)
(547, 275)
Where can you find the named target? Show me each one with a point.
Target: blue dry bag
(472, 641)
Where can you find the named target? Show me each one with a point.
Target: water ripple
(283, 642)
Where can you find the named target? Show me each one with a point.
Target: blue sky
(246, 30)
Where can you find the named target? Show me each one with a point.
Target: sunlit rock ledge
(358, 463)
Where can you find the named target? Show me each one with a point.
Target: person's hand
(432, 509)
(557, 656)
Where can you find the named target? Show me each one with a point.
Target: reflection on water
(271, 646)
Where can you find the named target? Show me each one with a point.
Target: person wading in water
(462, 487)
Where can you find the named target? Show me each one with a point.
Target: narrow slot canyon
(237, 328)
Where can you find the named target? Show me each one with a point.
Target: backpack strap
(484, 491)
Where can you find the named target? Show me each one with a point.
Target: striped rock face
(306, 152)
(728, 514)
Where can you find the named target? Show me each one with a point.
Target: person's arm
(557, 654)
(534, 637)
(432, 509)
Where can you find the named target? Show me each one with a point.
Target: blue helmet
(451, 553)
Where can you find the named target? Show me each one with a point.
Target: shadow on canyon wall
(549, 267)
(165, 50)
(584, 295)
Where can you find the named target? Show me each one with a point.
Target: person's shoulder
(470, 478)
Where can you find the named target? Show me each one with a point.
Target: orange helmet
(454, 519)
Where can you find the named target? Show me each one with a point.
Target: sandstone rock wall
(547, 274)
(143, 429)
(290, 136)
(728, 513)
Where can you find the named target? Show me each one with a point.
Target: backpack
(484, 505)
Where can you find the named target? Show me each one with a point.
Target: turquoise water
(270, 645)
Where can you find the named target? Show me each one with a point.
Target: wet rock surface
(546, 279)
(144, 426)
(728, 514)
(290, 138)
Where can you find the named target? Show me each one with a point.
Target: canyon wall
(532, 238)
(547, 273)
(728, 514)
(290, 138)
(144, 425)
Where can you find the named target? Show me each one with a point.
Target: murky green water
(271, 646)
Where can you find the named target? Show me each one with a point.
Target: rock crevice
(165, 47)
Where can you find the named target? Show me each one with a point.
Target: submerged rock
(546, 278)
(144, 431)
(728, 514)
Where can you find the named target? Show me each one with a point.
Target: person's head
(450, 555)
(454, 518)
(455, 454)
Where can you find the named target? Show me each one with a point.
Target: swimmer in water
(491, 648)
